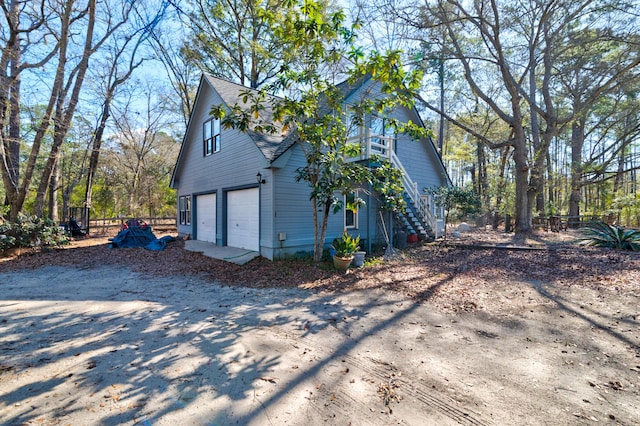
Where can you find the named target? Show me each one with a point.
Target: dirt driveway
(108, 345)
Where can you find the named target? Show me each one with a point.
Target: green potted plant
(345, 245)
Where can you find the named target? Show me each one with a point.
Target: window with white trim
(380, 126)
(351, 210)
(184, 207)
(211, 136)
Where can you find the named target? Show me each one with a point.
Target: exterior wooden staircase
(419, 217)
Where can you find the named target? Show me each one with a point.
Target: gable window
(184, 206)
(211, 136)
(351, 210)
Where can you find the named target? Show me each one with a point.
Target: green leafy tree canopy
(313, 106)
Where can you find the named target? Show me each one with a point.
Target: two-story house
(239, 189)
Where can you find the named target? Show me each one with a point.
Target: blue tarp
(139, 236)
(160, 243)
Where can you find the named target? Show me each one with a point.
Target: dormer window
(211, 136)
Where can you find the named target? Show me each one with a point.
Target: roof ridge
(227, 81)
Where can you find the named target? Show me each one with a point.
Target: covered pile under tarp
(139, 236)
(160, 243)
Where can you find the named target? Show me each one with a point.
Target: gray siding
(419, 158)
(235, 166)
(293, 212)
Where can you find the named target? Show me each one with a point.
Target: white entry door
(243, 224)
(206, 218)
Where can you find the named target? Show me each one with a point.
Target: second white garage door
(243, 224)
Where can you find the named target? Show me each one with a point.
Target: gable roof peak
(270, 144)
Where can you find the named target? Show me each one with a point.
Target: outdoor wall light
(259, 178)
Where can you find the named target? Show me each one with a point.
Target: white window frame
(355, 213)
(387, 130)
(184, 206)
(211, 135)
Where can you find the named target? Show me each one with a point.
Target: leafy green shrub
(373, 261)
(346, 245)
(6, 242)
(600, 234)
(31, 231)
(459, 203)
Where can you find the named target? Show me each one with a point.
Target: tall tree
(66, 97)
(476, 38)
(22, 32)
(120, 60)
(141, 153)
(234, 39)
(79, 30)
(596, 62)
(514, 57)
(313, 107)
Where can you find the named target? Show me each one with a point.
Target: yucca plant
(600, 234)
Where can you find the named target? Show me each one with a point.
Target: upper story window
(381, 126)
(354, 123)
(381, 133)
(211, 136)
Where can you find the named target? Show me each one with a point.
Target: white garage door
(206, 217)
(242, 219)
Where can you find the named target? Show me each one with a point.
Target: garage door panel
(206, 218)
(243, 219)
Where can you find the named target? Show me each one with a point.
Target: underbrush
(31, 231)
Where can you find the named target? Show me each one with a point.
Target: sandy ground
(108, 346)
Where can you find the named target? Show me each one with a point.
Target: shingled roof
(275, 144)
(272, 145)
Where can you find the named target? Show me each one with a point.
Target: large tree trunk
(66, 201)
(577, 141)
(483, 181)
(53, 192)
(14, 117)
(501, 187)
(535, 194)
(550, 184)
(10, 102)
(17, 191)
(520, 159)
(95, 153)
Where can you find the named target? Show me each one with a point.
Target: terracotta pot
(342, 263)
(412, 238)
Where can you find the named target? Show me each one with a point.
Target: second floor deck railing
(373, 144)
